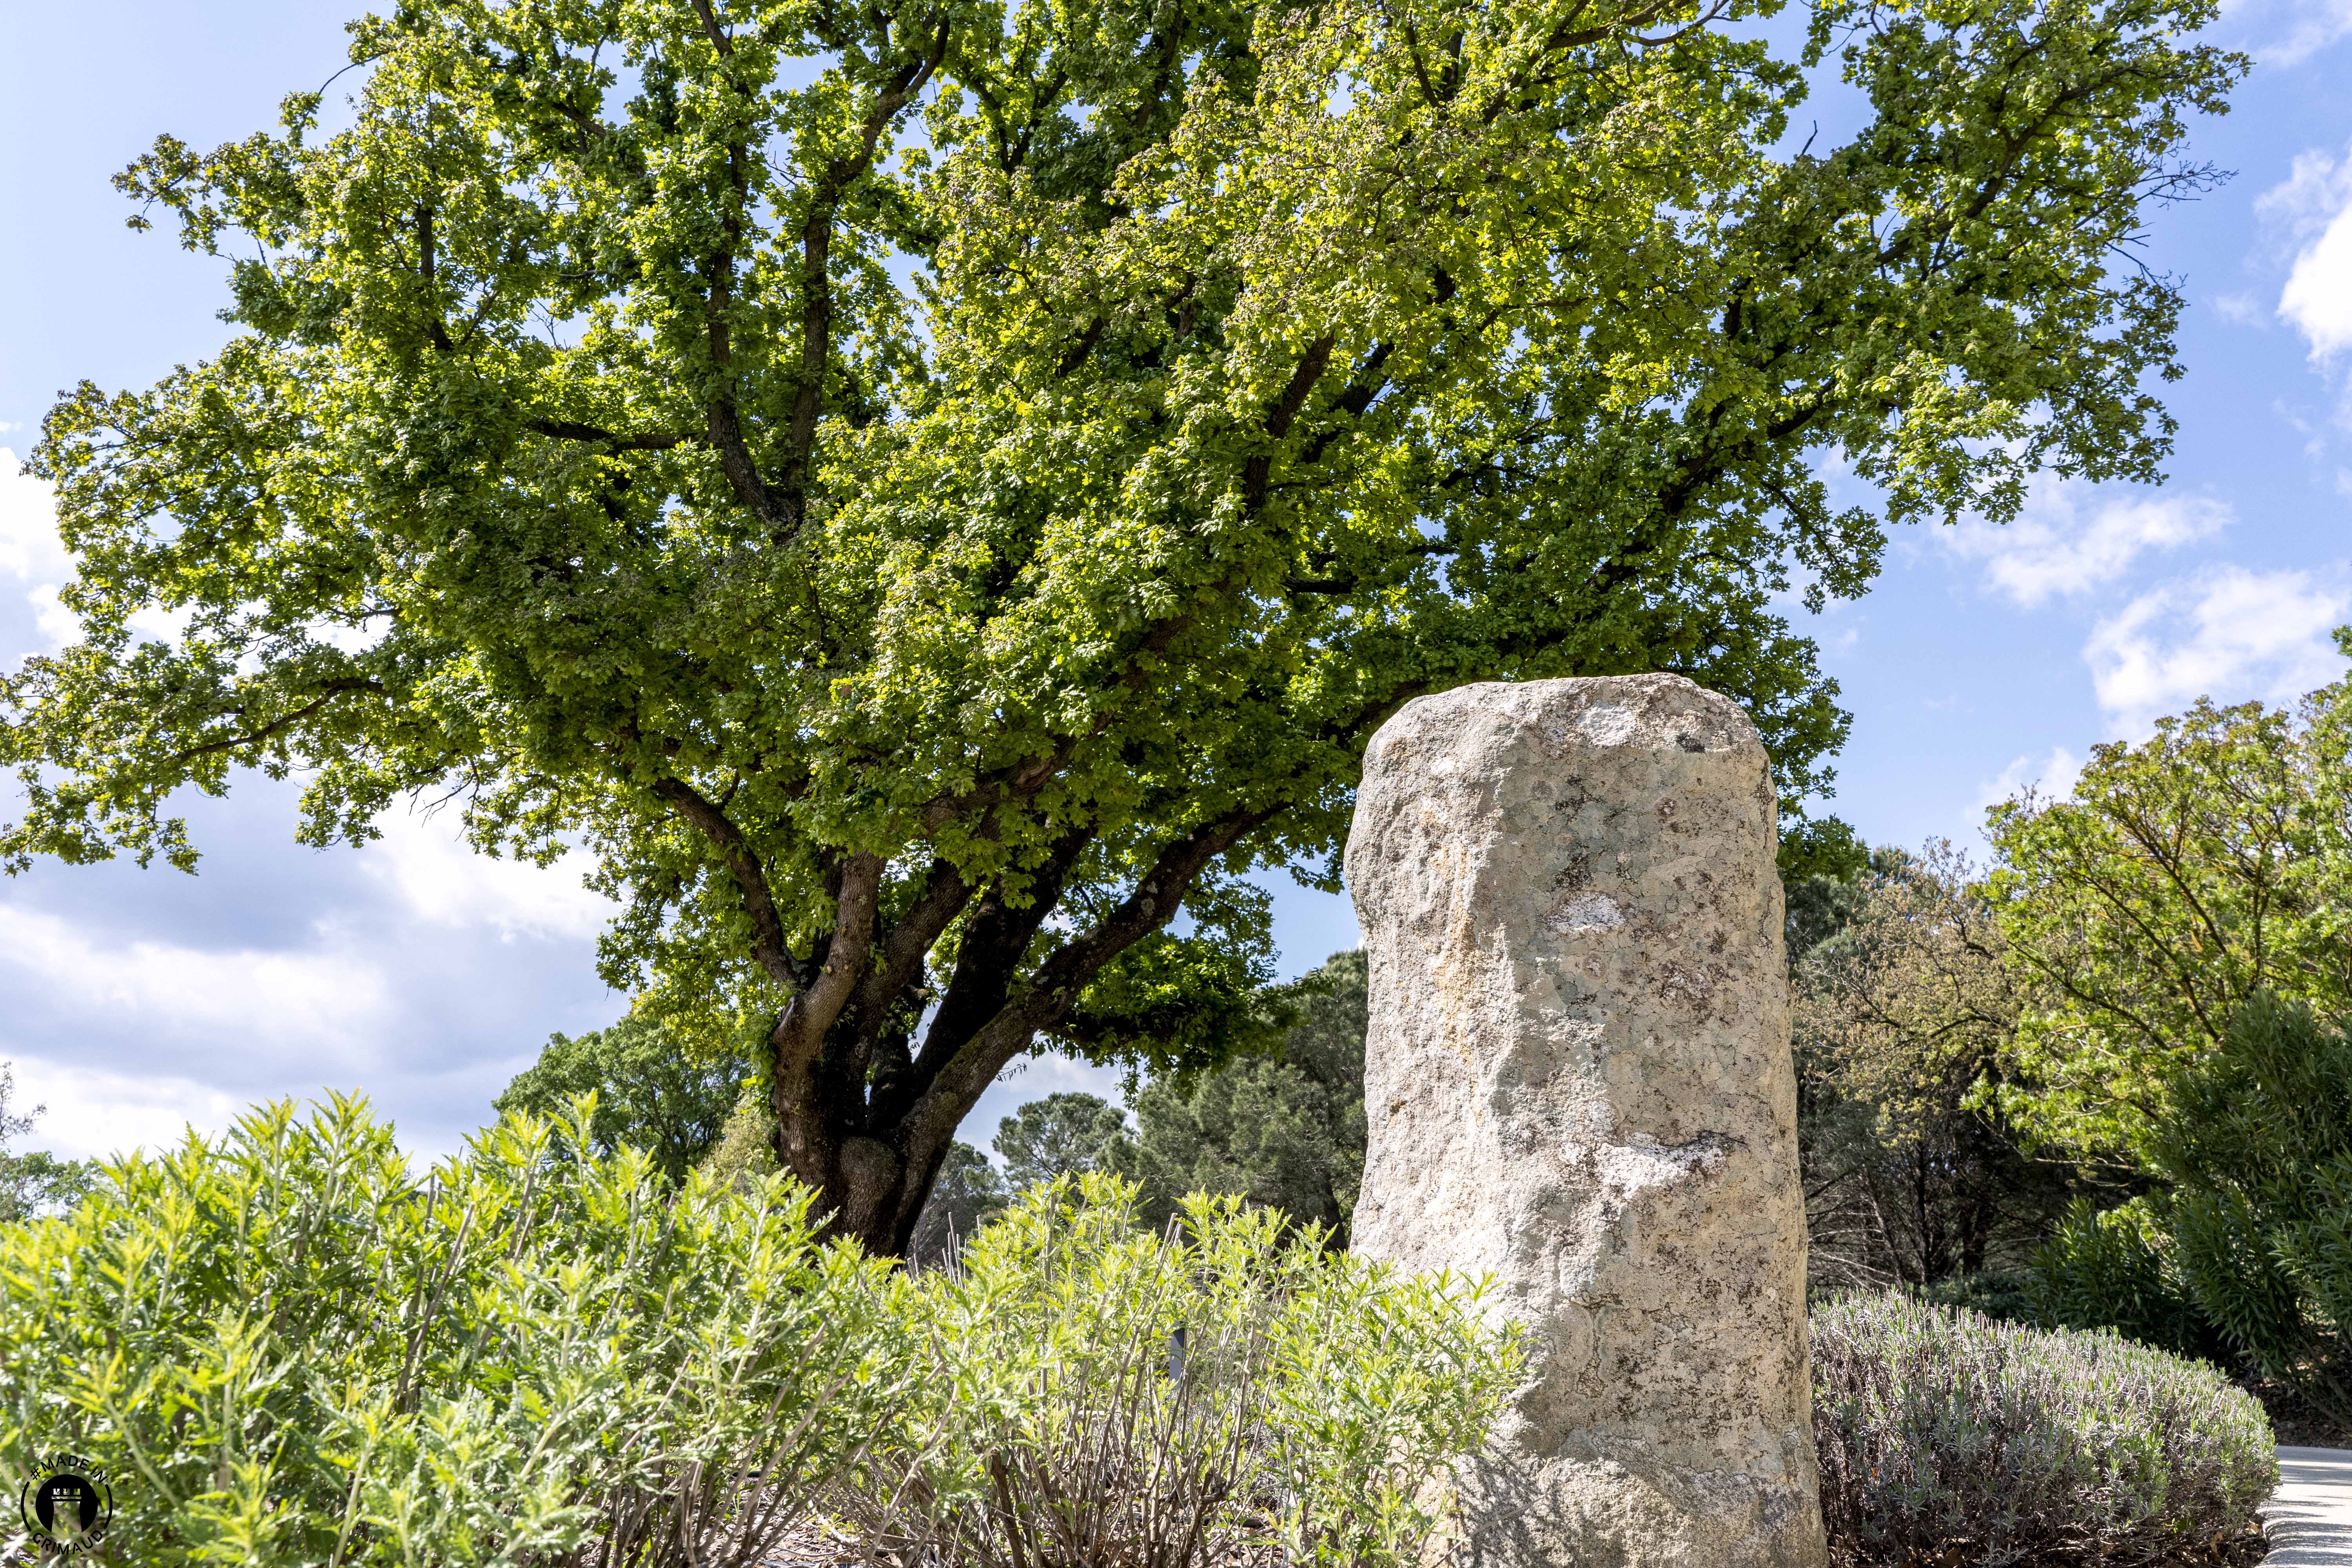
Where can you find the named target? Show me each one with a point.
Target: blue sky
(131, 1002)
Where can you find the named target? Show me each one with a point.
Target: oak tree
(926, 490)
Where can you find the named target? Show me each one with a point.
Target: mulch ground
(819, 1545)
(2298, 1426)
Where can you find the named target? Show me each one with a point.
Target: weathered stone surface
(1578, 1080)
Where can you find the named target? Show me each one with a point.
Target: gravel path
(2309, 1517)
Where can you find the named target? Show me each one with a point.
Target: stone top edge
(1658, 712)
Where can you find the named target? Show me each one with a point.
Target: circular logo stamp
(67, 1503)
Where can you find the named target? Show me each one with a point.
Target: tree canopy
(1905, 1018)
(1283, 1128)
(2183, 875)
(927, 491)
(653, 1091)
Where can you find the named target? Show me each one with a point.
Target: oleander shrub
(2245, 1254)
(288, 1347)
(1099, 1393)
(2119, 1268)
(2259, 1152)
(1946, 1436)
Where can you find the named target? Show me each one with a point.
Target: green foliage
(288, 1350)
(1284, 1130)
(1946, 1436)
(37, 1182)
(910, 658)
(2182, 877)
(653, 1092)
(1103, 1391)
(1060, 1135)
(1904, 1014)
(1821, 850)
(745, 1154)
(2258, 1152)
(2118, 1269)
(34, 1182)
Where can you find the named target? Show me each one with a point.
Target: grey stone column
(1578, 1080)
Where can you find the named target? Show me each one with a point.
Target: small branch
(255, 737)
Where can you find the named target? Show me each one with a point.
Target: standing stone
(1578, 1080)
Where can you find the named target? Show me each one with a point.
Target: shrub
(1941, 1430)
(2118, 1269)
(2247, 1253)
(1098, 1393)
(2004, 1297)
(2259, 1151)
(287, 1349)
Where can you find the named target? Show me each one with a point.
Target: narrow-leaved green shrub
(2118, 1269)
(1947, 1437)
(2245, 1255)
(1101, 1394)
(285, 1347)
(2259, 1151)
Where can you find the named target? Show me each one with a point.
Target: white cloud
(57, 625)
(446, 882)
(2071, 537)
(2318, 298)
(2311, 211)
(318, 1001)
(30, 550)
(90, 1112)
(2288, 32)
(30, 553)
(2051, 775)
(2242, 310)
(2231, 635)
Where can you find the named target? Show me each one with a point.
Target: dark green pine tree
(1285, 1130)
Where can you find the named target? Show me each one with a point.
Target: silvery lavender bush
(1947, 1437)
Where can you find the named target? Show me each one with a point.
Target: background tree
(968, 1193)
(911, 656)
(34, 1182)
(1903, 1016)
(2180, 878)
(1060, 1135)
(653, 1090)
(1284, 1130)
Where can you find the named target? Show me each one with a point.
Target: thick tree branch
(768, 945)
(993, 942)
(897, 965)
(1279, 418)
(570, 430)
(1066, 972)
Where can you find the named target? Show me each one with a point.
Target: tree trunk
(867, 1119)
